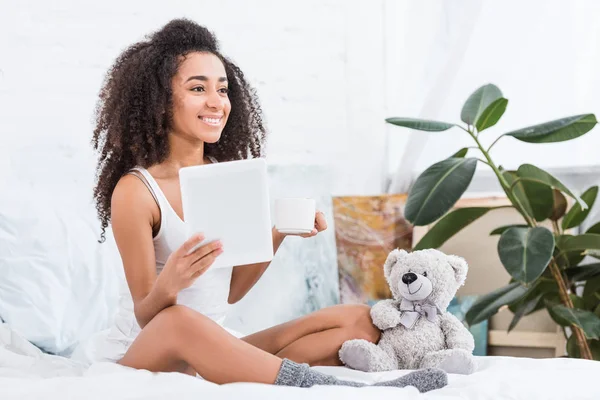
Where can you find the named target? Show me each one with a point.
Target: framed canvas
(367, 228)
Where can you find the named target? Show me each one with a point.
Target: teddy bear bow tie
(410, 312)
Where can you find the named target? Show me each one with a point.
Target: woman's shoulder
(131, 197)
(130, 184)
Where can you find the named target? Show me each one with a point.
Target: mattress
(27, 373)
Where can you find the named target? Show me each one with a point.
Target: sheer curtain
(544, 56)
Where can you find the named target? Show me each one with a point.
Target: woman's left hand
(320, 225)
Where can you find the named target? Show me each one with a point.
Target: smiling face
(201, 105)
(425, 274)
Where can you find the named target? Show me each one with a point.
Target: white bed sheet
(27, 373)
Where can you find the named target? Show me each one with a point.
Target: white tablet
(229, 201)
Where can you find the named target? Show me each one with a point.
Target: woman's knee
(159, 347)
(178, 325)
(178, 319)
(172, 314)
(360, 323)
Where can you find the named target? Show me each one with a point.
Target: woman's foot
(301, 375)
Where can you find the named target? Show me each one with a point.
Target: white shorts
(110, 345)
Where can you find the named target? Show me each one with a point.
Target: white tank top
(207, 295)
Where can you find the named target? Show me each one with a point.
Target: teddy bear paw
(453, 361)
(364, 356)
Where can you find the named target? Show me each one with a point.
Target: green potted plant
(545, 264)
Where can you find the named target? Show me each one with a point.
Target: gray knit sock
(301, 375)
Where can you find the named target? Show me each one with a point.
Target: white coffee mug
(295, 215)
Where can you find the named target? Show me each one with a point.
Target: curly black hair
(135, 109)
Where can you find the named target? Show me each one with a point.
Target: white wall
(328, 73)
(317, 66)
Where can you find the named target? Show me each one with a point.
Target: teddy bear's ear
(460, 267)
(392, 258)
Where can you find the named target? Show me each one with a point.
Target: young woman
(168, 102)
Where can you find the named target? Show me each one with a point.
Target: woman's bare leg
(179, 338)
(317, 338)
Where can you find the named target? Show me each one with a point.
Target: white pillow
(58, 285)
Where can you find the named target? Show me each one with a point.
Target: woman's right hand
(183, 268)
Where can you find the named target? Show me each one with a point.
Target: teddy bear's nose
(409, 278)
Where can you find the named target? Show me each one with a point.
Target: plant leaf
(492, 114)
(583, 272)
(541, 199)
(547, 288)
(532, 300)
(526, 252)
(586, 241)
(449, 225)
(461, 153)
(576, 215)
(478, 101)
(533, 173)
(438, 188)
(586, 320)
(488, 305)
(558, 318)
(420, 124)
(566, 259)
(573, 348)
(536, 198)
(569, 259)
(500, 230)
(558, 130)
(594, 229)
(525, 308)
(592, 253)
(561, 240)
(577, 301)
(518, 190)
(559, 206)
(591, 293)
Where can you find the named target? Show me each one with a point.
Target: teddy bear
(417, 331)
